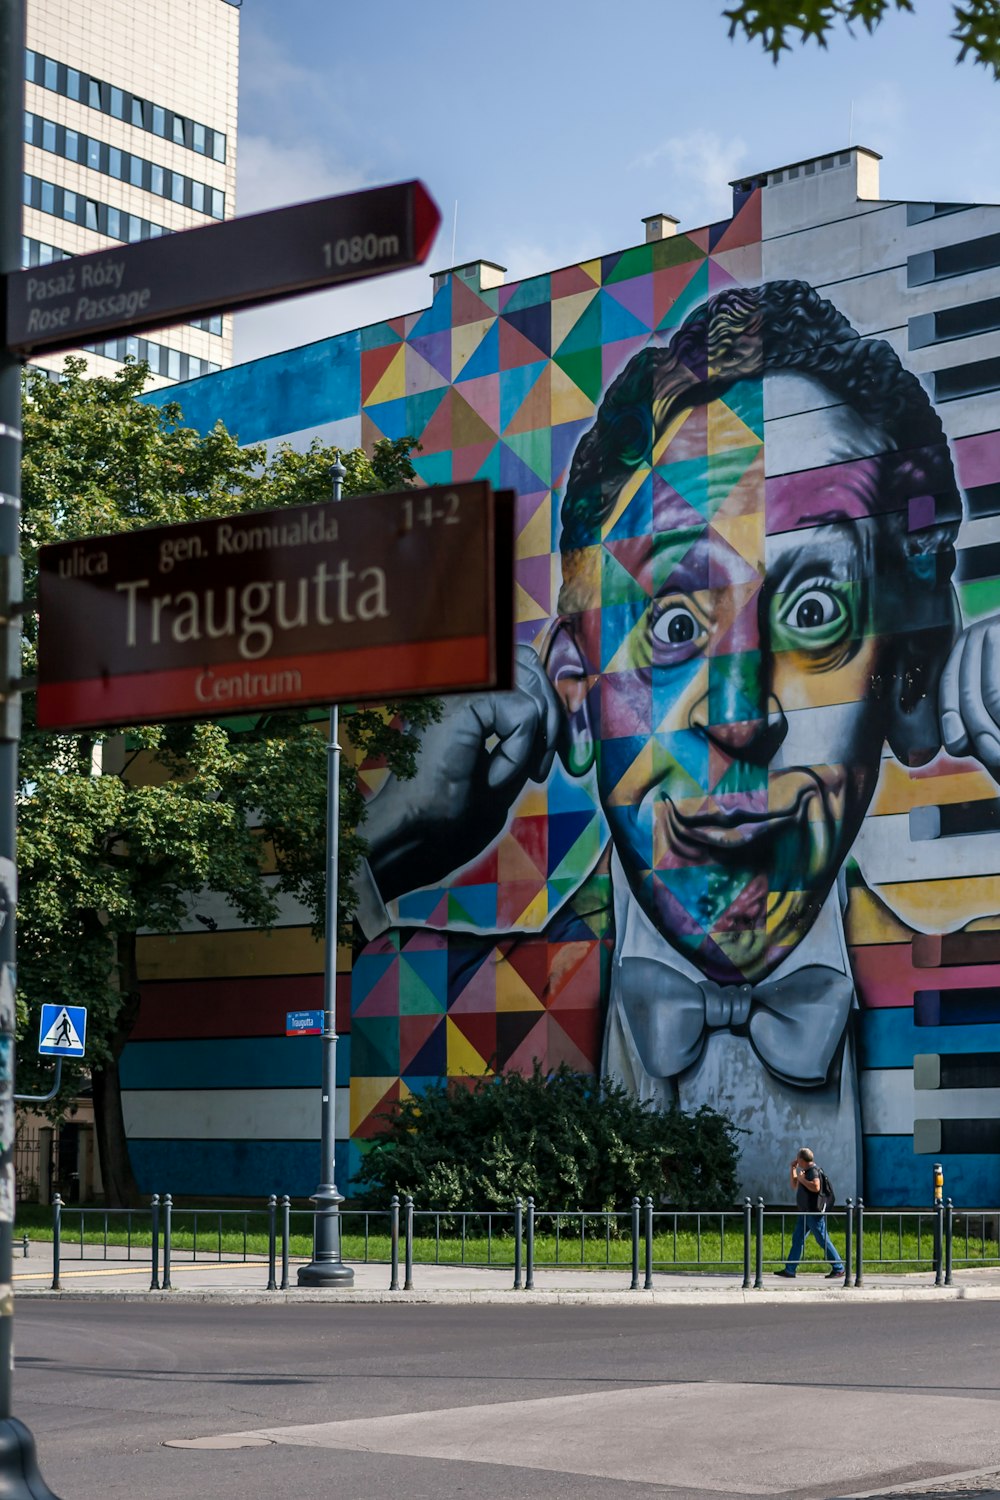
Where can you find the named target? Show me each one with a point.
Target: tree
(567, 1139)
(119, 832)
(976, 23)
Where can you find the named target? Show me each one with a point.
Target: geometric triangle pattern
(426, 1007)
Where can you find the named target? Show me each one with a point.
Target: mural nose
(744, 735)
(753, 740)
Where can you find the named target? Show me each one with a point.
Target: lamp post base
(326, 1267)
(19, 1474)
(332, 1273)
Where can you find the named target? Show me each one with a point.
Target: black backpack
(827, 1196)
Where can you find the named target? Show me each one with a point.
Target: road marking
(668, 1434)
(213, 1265)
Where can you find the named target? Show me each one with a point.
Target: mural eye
(676, 626)
(814, 610)
(814, 619)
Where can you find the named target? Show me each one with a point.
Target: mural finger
(991, 674)
(533, 678)
(516, 722)
(980, 727)
(953, 732)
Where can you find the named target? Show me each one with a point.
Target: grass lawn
(892, 1243)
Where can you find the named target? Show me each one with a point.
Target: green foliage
(122, 832)
(977, 23)
(566, 1139)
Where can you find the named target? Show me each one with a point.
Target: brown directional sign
(381, 596)
(238, 263)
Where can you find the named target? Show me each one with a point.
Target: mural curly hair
(745, 333)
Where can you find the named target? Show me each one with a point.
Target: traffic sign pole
(19, 1476)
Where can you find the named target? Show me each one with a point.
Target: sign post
(19, 1475)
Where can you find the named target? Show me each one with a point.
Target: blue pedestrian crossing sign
(62, 1031)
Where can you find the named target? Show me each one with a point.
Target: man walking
(806, 1180)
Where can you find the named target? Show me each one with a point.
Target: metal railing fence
(640, 1242)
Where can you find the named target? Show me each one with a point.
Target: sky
(546, 130)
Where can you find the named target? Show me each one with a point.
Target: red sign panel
(378, 597)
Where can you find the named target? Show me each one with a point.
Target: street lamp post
(326, 1267)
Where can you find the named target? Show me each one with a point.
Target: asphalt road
(421, 1401)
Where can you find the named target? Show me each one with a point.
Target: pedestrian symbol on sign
(63, 1031)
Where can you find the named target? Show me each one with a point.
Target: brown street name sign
(380, 596)
(238, 263)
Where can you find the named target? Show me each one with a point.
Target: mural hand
(970, 696)
(471, 766)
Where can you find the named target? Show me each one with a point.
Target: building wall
(178, 58)
(869, 902)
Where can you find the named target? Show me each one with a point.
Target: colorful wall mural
(735, 838)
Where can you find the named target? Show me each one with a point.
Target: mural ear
(914, 732)
(567, 671)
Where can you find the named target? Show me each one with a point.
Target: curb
(673, 1297)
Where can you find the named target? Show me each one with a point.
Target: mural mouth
(732, 828)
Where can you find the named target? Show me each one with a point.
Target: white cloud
(269, 175)
(278, 89)
(698, 167)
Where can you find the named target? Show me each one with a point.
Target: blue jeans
(814, 1224)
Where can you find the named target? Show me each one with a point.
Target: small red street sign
(381, 596)
(238, 263)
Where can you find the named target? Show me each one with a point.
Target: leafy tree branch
(776, 24)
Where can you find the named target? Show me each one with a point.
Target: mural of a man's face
(728, 661)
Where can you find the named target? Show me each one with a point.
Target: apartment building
(130, 133)
(750, 457)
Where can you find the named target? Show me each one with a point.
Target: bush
(566, 1139)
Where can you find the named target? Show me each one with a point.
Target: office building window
(65, 204)
(123, 165)
(124, 105)
(38, 253)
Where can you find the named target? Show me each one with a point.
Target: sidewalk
(236, 1281)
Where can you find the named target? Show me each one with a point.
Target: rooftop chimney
(660, 227)
(480, 275)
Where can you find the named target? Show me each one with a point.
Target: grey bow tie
(794, 1024)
